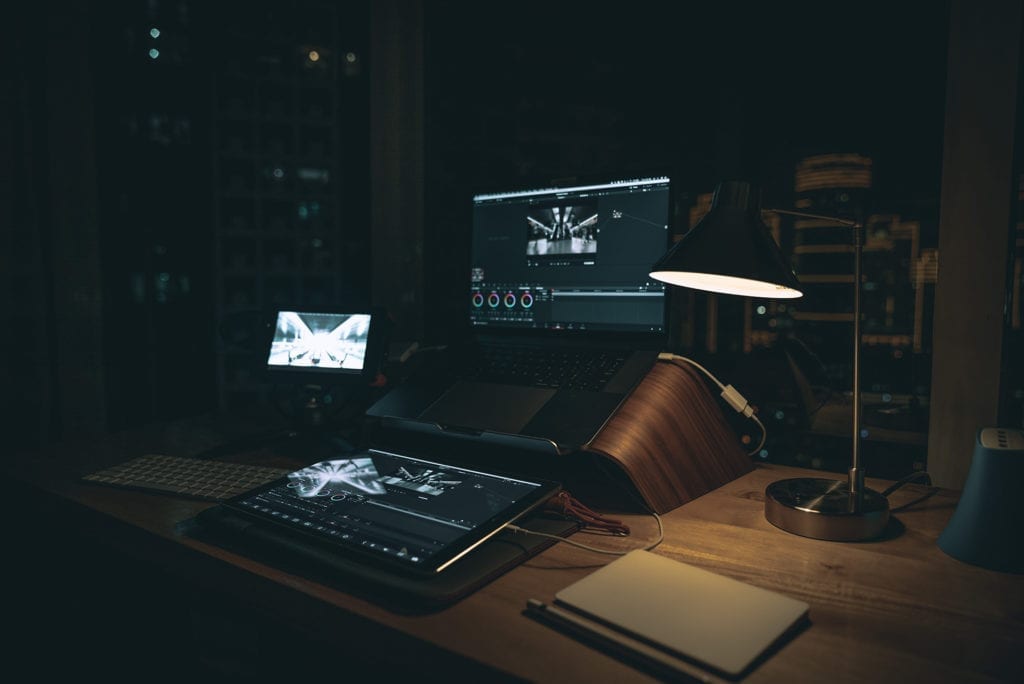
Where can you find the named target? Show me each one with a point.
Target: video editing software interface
(387, 504)
(571, 258)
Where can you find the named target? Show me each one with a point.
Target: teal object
(987, 528)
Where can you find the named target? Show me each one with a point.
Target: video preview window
(329, 341)
(562, 229)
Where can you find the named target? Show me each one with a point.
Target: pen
(621, 643)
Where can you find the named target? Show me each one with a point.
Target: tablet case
(393, 589)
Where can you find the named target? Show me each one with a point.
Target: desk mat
(393, 590)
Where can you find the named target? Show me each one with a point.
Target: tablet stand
(671, 439)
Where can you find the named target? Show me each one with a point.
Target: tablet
(394, 510)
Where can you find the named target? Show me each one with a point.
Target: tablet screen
(403, 511)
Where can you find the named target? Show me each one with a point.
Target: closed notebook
(712, 620)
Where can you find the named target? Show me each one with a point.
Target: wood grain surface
(896, 609)
(671, 439)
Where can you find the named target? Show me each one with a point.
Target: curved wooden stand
(671, 439)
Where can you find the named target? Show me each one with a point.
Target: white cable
(415, 348)
(731, 395)
(669, 356)
(661, 536)
(764, 435)
(412, 349)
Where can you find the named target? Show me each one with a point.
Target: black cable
(918, 475)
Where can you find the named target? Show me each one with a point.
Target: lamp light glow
(722, 284)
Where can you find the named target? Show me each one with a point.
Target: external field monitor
(324, 346)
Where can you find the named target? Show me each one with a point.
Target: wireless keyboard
(588, 369)
(188, 477)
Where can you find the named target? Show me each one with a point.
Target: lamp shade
(985, 529)
(730, 250)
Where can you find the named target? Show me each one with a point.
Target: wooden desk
(897, 609)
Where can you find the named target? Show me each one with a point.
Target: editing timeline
(567, 308)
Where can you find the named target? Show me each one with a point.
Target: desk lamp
(730, 251)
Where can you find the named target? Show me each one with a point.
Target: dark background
(156, 208)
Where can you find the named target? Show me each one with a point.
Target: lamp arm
(800, 214)
(856, 473)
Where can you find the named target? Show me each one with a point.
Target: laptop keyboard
(586, 369)
(189, 477)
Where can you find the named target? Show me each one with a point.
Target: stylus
(616, 641)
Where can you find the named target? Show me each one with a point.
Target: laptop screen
(571, 258)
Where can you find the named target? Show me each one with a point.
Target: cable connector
(737, 401)
(729, 393)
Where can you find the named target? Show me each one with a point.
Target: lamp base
(825, 509)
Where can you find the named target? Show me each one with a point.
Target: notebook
(564, 316)
(699, 616)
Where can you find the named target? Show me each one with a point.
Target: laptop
(564, 318)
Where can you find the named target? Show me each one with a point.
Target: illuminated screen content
(408, 510)
(562, 229)
(572, 258)
(319, 341)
